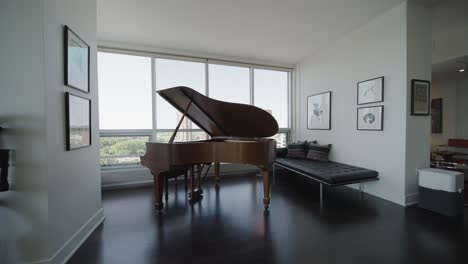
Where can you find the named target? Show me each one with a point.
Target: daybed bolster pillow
(281, 152)
(297, 150)
(318, 152)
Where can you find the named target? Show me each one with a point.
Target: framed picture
(370, 118)
(370, 91)
(420, 97)
(78, 121)
(76, 63)
(319, 111)
(436, 116)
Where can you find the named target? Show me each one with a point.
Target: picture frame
(420, 97)
(370, 118)
(76, 61)
(78, 121)
(319, 111)
(370, 91)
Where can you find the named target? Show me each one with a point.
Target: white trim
(411, 199)
(144, 50)
(229, 63)
(154, 95)
(251, 86)
(63, 254)
(126, 184)
(125, 132)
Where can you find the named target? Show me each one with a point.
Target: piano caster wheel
(266, 203)
(196, 195)
(159, 207)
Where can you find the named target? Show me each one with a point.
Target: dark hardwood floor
(230, 226)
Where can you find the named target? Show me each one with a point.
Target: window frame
(152, 133)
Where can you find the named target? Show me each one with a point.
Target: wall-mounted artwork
(76, 61)
(370, 118)
(436, 112)
(420, 97)
(319, 111)
(370, 91)
(78, 121)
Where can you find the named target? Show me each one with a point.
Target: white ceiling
(450, 15)
(451, 66)
(273, 31)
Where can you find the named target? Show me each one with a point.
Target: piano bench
(173, 174)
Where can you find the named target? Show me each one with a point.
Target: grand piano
(238, 134)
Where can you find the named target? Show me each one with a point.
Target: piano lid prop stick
(180, 122)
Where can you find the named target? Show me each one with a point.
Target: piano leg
(166, 185)
(199, 186)
(217, 170)
(158, 189)
(192, 182)
(185, 180)
(266, 188)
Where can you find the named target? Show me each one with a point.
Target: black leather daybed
(329, 173)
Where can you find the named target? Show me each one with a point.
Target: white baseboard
(63, 254)
(126, 184)
(411, 199)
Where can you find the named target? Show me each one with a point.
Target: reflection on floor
(230, 226)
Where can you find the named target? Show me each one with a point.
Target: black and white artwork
(370, 91)
(370, 118)
(420, 97)
(78, 121)
(319, 111)
(76, 61)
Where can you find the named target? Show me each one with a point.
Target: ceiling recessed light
(461, 70)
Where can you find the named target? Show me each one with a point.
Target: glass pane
(229, 83)
(171, 73)
(164, 137)
(124, 91)
(122, 150)
(281, 140)
(271, 94)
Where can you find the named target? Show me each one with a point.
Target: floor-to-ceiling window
(131, 111)
(125, 107)
(170, 73)
(229, 83)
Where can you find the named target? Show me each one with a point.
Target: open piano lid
(221, 119)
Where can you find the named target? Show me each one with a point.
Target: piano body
(238, 135)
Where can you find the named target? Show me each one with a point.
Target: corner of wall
(419, 65)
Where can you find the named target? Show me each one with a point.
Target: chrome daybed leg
(360, 191)
(321, 195)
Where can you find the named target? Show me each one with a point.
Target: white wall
(395, 45)
(450, 30)
(418, 128)
(74, 192)
(452, 87)
(23, 210)
(445, 86)
(462, 107)
(55, 199)
(376, 49)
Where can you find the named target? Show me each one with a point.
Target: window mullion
(153, 99)
(207, 79)
(251, 70)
